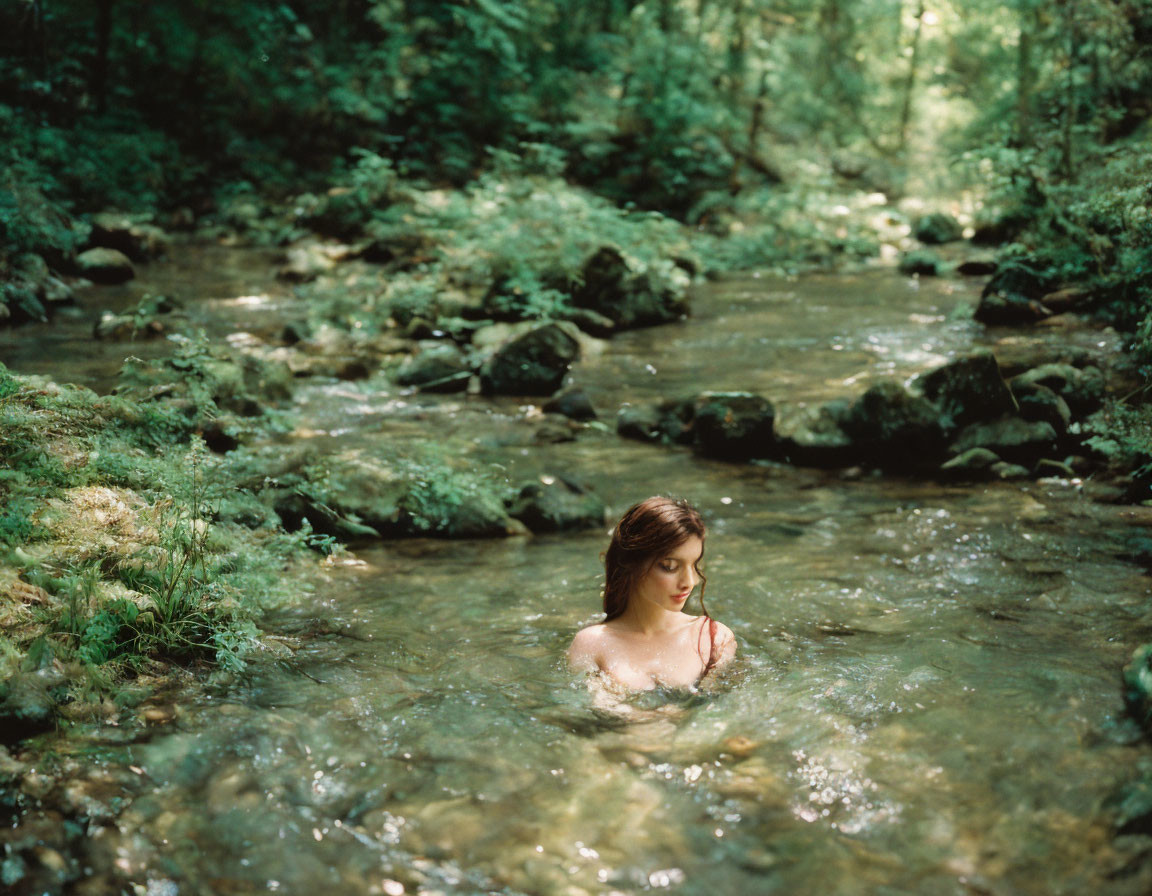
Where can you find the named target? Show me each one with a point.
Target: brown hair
(647, 532)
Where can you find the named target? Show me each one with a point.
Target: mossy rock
(937, 228)
(557, 505)
(734, 426)
(1137, 677)
(534, 363)
(968, 389)
(890, 426)
(436, 367)
(108, 267)
(921, 263)
(1012, 439)
(609, 286)
(814, 436)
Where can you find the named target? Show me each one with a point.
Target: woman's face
(670, 580)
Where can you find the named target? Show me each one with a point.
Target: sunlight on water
(926, 699)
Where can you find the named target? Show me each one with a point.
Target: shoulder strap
(713, 651)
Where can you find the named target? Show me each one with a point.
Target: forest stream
(927, 698)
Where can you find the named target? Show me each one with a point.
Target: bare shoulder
(725, 643)
(587, 647)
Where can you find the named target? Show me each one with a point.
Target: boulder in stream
(1011, 439)
(533, 363)
(1081, 387)
(975, 463)
(436, 367)
(1038, 402)
(108, 267)
(968, 389)
(138, 240)
(937, 228)
(557, 504)
(921, 263)
(734, 426)
(670, 421)
(1013, 295)
(610, 286)
(27, 707)
(571, 403)
(891, 425)
(814, 437)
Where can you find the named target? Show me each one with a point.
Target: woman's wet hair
(648, 532)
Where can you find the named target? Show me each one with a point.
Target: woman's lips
(683, 595)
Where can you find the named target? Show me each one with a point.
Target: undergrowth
(115, 555)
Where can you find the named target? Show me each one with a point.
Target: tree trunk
(1025, 73)
(1070, 105)
(910, 81)
(103, 42)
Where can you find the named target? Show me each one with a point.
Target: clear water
(926, 701)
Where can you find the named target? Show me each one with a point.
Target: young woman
(646, 639)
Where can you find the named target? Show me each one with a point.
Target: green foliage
(438, 492)
(16, 525)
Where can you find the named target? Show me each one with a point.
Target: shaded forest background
(725, 115)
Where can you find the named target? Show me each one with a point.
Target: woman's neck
(647, 619)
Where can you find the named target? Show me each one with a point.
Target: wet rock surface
(557, 504)
(105, 266)
(534, 363)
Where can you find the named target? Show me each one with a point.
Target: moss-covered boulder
(975, 463)
(137, 239)
(1082, 388)
(669, 421)
(734, 426)
(1038, 402)
(610, 286)
(921, 263)
(105, 266)
(1013, 295)
(533, 363)
(557, 504)
(27, 707)
(1137, 678)
(573, 404)
(814, 436)
(937, 228)
(436, 366)
(891, 426)
(1011, 439)
(968, 389)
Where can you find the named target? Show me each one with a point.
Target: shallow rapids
(927, 699)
